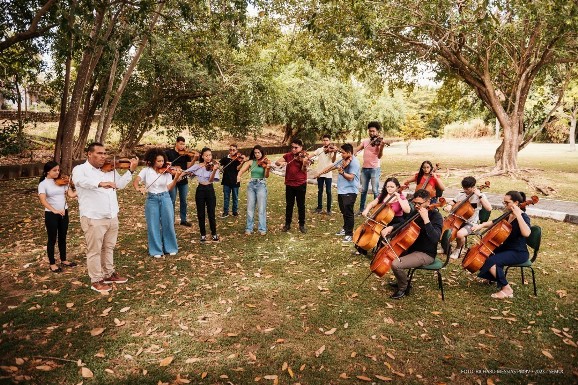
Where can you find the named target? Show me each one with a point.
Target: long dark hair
(257, 147)
(421, 173)
(384, 189)
(517, 196)
(47, 167)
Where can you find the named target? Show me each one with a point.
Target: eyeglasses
(232, 149)
(418, 203)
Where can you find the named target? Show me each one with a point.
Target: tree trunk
(19, 105)
(69, 124)
(100, 132)
(130, 70)
(506, 156)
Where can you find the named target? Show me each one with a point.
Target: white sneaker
(340, 233)
(347, 238)
(172, 253)
(455, 254)
(157, 256)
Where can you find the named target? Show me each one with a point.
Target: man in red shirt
(295, 183)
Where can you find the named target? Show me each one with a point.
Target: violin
(210, 166)
(264, 162)
(194, 155)
(64, 180)
(402, 239)
(492, 238)
(425, 185)
(367, 235)
(376, 141)
(122, 164)
(330, 148)
(460, 213)
(173, 170)
(238, 156)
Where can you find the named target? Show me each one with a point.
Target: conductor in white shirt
(98, 206)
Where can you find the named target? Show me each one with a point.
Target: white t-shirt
(55, 194)
(475, 201)
(155, 182)
(323, 161)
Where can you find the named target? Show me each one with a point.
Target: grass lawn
(283, 308)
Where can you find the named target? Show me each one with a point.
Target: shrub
(475, 128)
(557, 131)
(12, 140)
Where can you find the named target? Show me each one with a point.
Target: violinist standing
(426, 176)
(258, 167)
(230, 166)
(98, 206)
(513, 250)
(347, 187)
(206, 172)
(296, 163)
(372, 152)
(159, 210)
(53, 198)
(325, 157)
(182, 188)
(478, 200)
(423, 251)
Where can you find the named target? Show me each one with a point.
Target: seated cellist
(423, 251)
(513, 250)
(478, 200)
(399, 203)
(427, 178)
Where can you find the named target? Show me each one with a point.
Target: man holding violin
(423, 251)
(179, 157)
(371, 169)
(98, 206)
(325, 157)
(230, 166)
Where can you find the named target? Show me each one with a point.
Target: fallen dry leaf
(383, 378)
(166, 361)
(86, 373)
(96, 331)
(319, 351)
(125, 309)
(547, 354)
(331, 331)
(363, 378)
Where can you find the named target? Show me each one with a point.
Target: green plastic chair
(533, 241)
(438, 264)
(484, 215)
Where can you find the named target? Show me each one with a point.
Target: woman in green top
(258, 167)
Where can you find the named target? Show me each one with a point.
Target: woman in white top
(159, 210)
(53, 198)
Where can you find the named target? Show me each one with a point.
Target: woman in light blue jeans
(258, 167)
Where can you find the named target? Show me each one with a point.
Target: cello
(401, 240)
(460, 213)
(426, 186)
(368, 233)
(491, 239)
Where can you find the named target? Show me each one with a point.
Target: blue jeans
(227, 190)
(369, 174)
(323, 182)
(160, 217)
(257, 195)
(183, 193)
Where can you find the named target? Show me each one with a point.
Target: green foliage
(413, 129)
(12, 140)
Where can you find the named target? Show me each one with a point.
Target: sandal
(501, 295)
(69, 264)
(57, 270)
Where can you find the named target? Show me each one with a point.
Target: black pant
(293, 194)
(346, 206)
(205, 197)
(56, 226)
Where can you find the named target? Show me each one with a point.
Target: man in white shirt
(325, 156)
(98, 206)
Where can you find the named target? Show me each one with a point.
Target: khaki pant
(100, 235)
(409, 261)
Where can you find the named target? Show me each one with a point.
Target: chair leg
(522, 274)
(440, 284)
(534, 281)
(409, 278)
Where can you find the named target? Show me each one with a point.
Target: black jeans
(346, 206)
(56, 227)
(293, 194)
(323, 184)
(205, 198)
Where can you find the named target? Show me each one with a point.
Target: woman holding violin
(180, 157)
(423, 250)
(477, 200)
(159, 211)
(206, 172)
(513, 250)
(426, 178)
(296, 162)
(52, 192)
(258, 167)
(348, 168)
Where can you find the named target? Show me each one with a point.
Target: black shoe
(286, 228)
(185, 223)
(318, 211)
(235, 214)
(57, 270)
(302, 229)
(224, 215)
(215, 238)
(393, 284)
(69, 264)
(398, 294)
